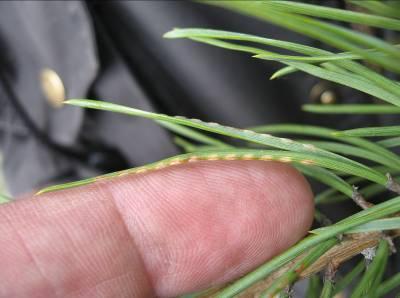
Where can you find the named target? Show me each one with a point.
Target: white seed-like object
(309, 147)
(248, 131)
(266, 135)
(196, 120)
(286, 141)
(213, 124)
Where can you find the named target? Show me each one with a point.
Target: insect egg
(248, 157)
(230, 157)
(266, 157)
(193, 159)
(213, 157)
(285, 159)
(307, 162)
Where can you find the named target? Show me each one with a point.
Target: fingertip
(205, 223)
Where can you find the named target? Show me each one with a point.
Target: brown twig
(359, 199)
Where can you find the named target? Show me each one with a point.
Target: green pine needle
(337, 14)
(385, 131)
(351, 109)
(388, 285)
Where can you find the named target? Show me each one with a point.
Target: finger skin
(163, 233)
